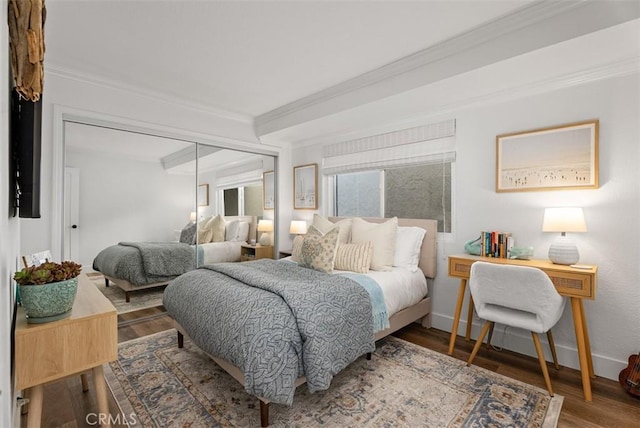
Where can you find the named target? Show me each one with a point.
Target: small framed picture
(305, 187)
(268, 192)
(203, 195)
(554, 158)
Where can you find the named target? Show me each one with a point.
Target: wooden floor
(65, 405)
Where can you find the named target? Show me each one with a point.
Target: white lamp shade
(192, 216)
(298, 227)
(265, 226)
(564, 220)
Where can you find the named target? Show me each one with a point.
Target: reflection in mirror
(125, 190)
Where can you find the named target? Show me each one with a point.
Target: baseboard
(519, 341)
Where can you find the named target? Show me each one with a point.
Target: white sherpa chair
(518, 296)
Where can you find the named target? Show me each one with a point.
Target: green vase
(48, 302)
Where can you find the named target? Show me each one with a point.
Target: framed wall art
(203, 195)
(554, 158)
(268, 192)
(305, 187)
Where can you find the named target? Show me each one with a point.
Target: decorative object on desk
(298, 227)
(474, 246)
(554, 158)
(564, 251)
(268, 190)
(305, 187)
(521, 253)
(47, 291)
(630, 376)
(266, 227)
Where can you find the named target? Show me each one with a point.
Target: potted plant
(47, 291)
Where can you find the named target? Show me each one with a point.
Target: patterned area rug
(403, 385)
(140, 299)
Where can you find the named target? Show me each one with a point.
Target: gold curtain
(26, 43)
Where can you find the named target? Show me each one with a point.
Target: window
(417, 191)
(243, 200)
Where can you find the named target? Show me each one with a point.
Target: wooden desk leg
(35, 406)
(101, 393)
(587, 342)
(582, 350)
(467, 334)
(456, 315)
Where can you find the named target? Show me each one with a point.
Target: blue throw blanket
(378, 306)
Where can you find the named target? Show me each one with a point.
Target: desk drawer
(574, 285)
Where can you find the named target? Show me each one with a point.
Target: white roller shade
(422, 144)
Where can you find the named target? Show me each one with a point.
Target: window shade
(422, 144)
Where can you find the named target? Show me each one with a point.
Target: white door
(71, 232)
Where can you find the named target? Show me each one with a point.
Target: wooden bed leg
(106, 282)
(180, 340)
(369, 356)
(264, 414)
(126, 297)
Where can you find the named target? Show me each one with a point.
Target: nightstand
(284, 253)
(255, 252)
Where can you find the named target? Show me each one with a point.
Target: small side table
(255, 252)
(85, 340)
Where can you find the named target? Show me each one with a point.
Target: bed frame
(420, 312)
(128, 287)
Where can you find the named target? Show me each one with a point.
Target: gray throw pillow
(188, 233)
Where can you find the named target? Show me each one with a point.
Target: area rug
(139, 299)
(402, 385)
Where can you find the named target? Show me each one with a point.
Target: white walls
(72, 93)
(127, 200)
(10, 233)
(611, 211)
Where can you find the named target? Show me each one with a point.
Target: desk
(577, 284)
(85, 340)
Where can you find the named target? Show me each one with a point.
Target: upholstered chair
(517, 296)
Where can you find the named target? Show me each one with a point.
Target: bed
(239, 323)
(139, 265)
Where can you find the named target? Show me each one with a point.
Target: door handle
(74, 226)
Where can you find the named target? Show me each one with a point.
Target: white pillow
(205, 232)
(354, 257)
(408, 245)
(243, 232)
(231, 230)
(383, 237)
(324, 225)
(217, 225)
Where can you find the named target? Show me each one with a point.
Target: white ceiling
(309, 70)
(249, 57)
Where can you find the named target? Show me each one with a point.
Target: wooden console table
(577, 284)
(85, 340)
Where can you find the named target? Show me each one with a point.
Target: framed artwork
(268, 193)
(203, 195)
(554, 158)
(305, 187)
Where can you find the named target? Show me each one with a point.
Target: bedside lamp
(564, 251)
(265, 226)
(298, 227)
(192, 217)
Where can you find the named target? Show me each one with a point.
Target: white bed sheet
(401, 287)
(221, 252)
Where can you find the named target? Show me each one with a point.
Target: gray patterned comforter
(275, 321)
(143, 263)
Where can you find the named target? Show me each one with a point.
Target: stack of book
(495, 244)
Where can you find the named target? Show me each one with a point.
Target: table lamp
(265, 226)
(564, 251)
(298, 227)
(192, 217)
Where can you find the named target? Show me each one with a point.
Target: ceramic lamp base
(564, 252)
(264, 239)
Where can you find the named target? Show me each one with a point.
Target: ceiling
(291, 67)
(248, 57)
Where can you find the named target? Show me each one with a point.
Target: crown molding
(610, 70)
(496, 40)
(67, 73)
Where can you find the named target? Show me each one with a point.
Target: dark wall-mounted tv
(25, 137)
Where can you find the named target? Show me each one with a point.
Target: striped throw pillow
(354, 257)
